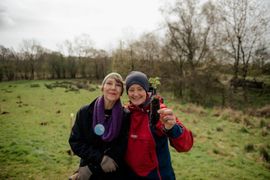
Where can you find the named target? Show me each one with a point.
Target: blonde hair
(117, 77)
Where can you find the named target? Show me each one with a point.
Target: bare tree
(7, 64)
(83, 50)
(188, 31)
(147, 50)
(262, 55)
(121, 61)
(67, 49)
(244, 22)
(138, 54)
(187, 45)
(31, 51)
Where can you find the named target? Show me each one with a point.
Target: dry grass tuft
(233, 116)
(261, 112)
(192, 108)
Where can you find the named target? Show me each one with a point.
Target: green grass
(30, 150)
(219, 149)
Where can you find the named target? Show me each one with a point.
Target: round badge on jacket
(99, 129)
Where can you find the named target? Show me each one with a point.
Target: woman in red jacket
(147, 154)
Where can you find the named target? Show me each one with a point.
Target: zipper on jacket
(151, 132)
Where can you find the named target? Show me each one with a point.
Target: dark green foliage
(34, 85)
(249, 148)
(244, 130)
(264, 154)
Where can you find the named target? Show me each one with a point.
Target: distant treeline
(208, 84)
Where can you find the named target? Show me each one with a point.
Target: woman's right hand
(167, 118)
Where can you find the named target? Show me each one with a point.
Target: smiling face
(136, 94)
(112, 90)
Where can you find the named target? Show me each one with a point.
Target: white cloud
(52, 21)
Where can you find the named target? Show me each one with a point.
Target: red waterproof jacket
(148, 151)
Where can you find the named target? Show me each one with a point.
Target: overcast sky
(50, 22)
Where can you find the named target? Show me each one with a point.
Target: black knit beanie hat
(137, 77)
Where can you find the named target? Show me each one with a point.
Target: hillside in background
(35, 122)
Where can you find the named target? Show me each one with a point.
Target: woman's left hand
(167, 118)
(108, 164)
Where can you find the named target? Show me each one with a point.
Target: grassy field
(35, 125)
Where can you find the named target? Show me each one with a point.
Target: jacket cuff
(95, 169)
(112, 154)
(174, 132)
(94, 166)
